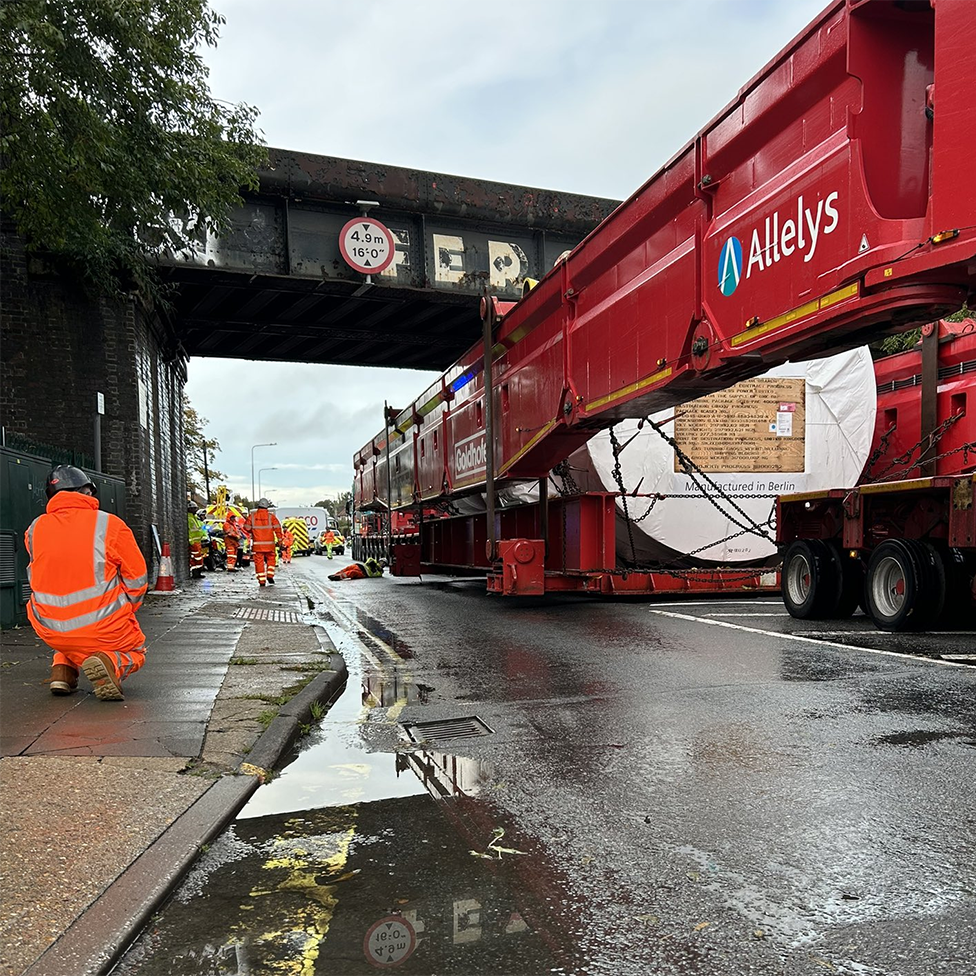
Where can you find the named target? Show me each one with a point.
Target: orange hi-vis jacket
(264, 528)
(87, 577)
(232, 528)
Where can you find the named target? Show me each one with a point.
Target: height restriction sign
(367, 245)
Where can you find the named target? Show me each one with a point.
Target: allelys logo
(782, 238)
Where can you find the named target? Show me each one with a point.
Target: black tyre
(852, 584)
(960, 606)
(811, 579)
(905, 585)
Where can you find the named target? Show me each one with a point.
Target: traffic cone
(164, 581)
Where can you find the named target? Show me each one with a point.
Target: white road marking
(797, 637)
(783, 613)
(888, 633)
(724, 603)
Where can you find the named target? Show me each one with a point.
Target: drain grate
(274, 616)
(447, 728)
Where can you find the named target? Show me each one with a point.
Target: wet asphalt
(702, 787)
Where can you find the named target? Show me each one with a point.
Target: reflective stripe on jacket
(264, 528)
(232, 528)
(87, 576)
(195, 528)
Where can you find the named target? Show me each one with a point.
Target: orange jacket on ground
(264, 528)
(87, 577)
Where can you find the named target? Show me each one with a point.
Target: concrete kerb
(98, 938)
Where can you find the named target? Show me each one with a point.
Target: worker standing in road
(287, 541)
(265, 531)
(328, 540)
(232, 541)
(370, 568)
(87, 579)
(197, 535)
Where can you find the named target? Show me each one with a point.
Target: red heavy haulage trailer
(828, 204)
(902, 543)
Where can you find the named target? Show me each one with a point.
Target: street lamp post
(261, 472)
(269, 444)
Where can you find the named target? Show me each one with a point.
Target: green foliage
(113, 149)
(200, 452)
(899, 343)
(908, 340)
(337, 507)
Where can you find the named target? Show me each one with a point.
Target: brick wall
(59, 347)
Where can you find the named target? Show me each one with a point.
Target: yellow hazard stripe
(661, 374)
(805, 496)
(528, 447)
(884, 486)
(795, 314)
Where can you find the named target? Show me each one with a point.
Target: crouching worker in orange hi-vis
(359, 570)
(287, 541)
(265, 530)
(232, 541)
(87, 579)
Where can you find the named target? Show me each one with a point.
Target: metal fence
(23, 476)
(56, 455)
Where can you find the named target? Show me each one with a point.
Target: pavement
(106, 804)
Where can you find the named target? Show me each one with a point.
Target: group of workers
(267, 537)
(261, 527)
(88, 578)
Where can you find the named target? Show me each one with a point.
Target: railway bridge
(100, 383)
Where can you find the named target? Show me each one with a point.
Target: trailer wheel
(811, 579)
(905, 585)
(852, 584)
(959, 596)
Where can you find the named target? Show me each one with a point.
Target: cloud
(570, 95)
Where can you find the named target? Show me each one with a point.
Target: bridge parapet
(453, 234)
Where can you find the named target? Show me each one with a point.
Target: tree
(200, 452)
(908, 340)
(112, 148)
(337, 507)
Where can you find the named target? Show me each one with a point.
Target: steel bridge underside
(275, 287)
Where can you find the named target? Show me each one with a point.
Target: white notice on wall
(784, 419)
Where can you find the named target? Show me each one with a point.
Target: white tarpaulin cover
(839, 403)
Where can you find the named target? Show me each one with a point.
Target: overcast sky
(572, 95)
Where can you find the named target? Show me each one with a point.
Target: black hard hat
(66, 477)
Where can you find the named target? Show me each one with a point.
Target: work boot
(271, 580)
(63, 680)
(100, 671)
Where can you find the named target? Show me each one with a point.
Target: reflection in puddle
(344, 863)
(344, 889)
(385, 690)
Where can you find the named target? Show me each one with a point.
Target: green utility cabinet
(22, 499)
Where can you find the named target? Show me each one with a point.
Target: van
(315, 518)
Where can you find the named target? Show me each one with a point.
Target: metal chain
(879, 451)
(569, 486)
(619, 478)
(693, 471)
(921, 445)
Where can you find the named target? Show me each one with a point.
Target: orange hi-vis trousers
(264, 565)
(126, 662)
(230, 547)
